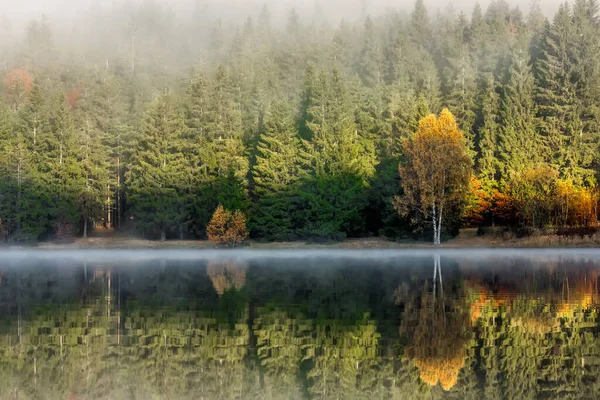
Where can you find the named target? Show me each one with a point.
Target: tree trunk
(85, 228)
(163, 236)
(439, 228)
(434, 225)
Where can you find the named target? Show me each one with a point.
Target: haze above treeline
(70, 12)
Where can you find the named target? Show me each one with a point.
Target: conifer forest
(138, 119)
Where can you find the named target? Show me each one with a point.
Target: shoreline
(467, 239)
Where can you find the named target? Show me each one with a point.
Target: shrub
(227, 228)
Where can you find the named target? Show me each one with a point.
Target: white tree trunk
(435, 234)
(439, 227)
(163, 236)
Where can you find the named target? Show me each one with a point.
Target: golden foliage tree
(436, 170)
(217, 227)
(227, 228)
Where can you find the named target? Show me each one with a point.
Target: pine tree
(214, 127)
(461, 78)
(487, 164)
(559, 105)
(343, 161)
(59, 168)
(280, 164)
(370, 65)
(519, 146)
(160, 175)
(420, 27)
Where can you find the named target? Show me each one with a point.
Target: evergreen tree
(370, 65)
(343, 161)
(488, 134)
(461, 79)
(59, 168)
(559, 106)
(519, 145)
(420, 25)
(280, 164)
(160, 175)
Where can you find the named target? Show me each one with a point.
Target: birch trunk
(434, 225)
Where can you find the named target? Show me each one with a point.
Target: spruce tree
(159, 176)
(461, 78)
(280, 164)
(370, 64)
(343, 161)
(214, 127)
(487, 164)
(59, 168)
(558, 102)
(519, 146)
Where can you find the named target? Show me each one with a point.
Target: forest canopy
(298, 125)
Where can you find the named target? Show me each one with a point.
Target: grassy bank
(468, 238)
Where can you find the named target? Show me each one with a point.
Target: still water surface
(299, 325)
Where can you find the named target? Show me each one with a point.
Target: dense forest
(139, 119)
(301, 330)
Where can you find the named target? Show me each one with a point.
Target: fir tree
(559, 105)
(519, 145)
(280, 164)
(159, 176)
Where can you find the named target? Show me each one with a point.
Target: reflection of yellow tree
(227, 274)
(438, 328)
(576, 294)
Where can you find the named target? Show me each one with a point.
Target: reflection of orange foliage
(479, 203)
(440, 369)
(485, 298)
(579, 295)
(226, 275)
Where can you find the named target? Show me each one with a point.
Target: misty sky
(55, 8)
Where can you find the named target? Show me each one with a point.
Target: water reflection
(301, 329)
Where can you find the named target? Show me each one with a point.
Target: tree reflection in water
(301, 330)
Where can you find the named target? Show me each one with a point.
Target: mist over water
(398, 257)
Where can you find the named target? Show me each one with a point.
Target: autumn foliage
(73, 96)
(18, 84)
(226, 275)
(436, 171)
(478, 205)
(535, 197)
(227, 228)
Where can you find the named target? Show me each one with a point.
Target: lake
(322, 324)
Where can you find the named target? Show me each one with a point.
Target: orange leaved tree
(436, 170)
(18, 85)
(227, 228)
